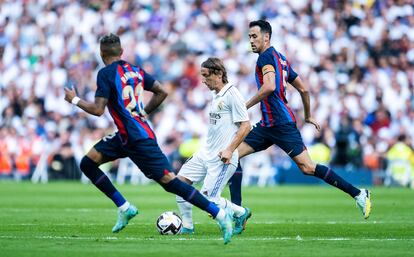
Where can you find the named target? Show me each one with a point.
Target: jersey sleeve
(266, 63)
(238, 106)
(103, 88)
(148, 80)
(292, 75)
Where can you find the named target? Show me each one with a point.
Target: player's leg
(217, 177)
(288, 138)
(106, 150)
(223, 216)
(254, 142)
(192, 171)
(235, 186)
(153, 163)
(308, 167)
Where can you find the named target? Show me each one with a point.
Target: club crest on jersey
(220, 105)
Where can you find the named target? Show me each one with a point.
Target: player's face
(209, 79)
(257, 39)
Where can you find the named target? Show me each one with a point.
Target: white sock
(221, 214)
(186, 211)
(124, 207)
(238, 210)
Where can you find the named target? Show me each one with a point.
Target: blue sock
(235, 186)
(330, 177)
(192, 195)
(101, 181)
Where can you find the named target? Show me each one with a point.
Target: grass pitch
(72, 219)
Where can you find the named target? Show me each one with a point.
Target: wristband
(75, 100)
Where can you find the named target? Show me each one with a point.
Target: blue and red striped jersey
(122, 84)
(274, 108)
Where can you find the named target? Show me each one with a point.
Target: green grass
(72, 219)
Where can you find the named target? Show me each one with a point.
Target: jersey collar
(223, 90)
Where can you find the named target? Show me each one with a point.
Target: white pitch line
(172, 238)
(137, 223)
(60, 210)
(326, 222)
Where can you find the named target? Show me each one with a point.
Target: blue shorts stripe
(219, 180)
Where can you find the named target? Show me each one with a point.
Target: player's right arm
(97, 108)
(266, 65)
(269, 85)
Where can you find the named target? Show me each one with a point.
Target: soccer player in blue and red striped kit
(120, 86)
(278, 124)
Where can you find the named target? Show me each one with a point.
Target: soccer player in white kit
(217, 159)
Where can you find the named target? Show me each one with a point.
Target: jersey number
(134, 107)
(284, 79)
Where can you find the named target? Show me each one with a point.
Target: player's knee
(184, 179)
(169, 183)
(86, 165)
(167, 178)
(307, 169)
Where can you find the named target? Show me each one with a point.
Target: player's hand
(143, 115)
(313, 122)
(225, 156)
(69, 94)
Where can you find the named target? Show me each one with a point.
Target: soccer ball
(169, 223)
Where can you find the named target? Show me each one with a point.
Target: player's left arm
(240, 117)
(244, 129)
(96, 108)
(159, 95)
(304, 94)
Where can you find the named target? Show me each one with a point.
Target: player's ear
(221, 74)
(266, 37)
(122, 51)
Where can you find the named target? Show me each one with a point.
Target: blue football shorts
(286, 136)
(145, 153)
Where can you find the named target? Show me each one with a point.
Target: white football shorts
(213, 173)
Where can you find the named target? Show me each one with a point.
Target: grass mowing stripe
(71, 219)
(171, 238)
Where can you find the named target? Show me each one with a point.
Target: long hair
(216, 66)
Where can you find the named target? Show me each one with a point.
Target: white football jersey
(227, 108)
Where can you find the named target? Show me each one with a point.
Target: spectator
(400, 157)
(347, 51)
(348, 150)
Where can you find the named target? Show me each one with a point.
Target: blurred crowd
(357, 57)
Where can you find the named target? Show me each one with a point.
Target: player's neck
(265, 48)
(219, 88)
(110, 60)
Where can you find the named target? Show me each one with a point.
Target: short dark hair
(263, 25)
(216, 66)
(110, 45)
